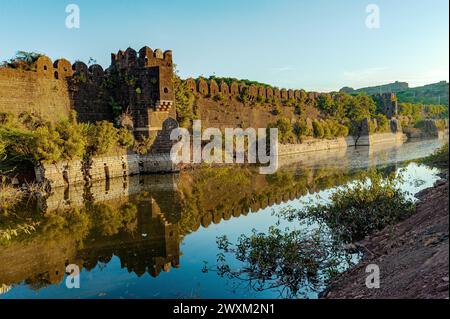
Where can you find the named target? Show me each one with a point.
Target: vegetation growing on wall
(23, 60)
(184, 102)
(229, 81)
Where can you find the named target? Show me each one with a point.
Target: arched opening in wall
(45, 68)
(146, 60)
(166, 90)
(56, 75)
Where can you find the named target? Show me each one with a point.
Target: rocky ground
(412, 256)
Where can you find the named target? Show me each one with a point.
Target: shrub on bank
(369, 204)
(438, 159)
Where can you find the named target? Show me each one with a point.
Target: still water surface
(148, 237)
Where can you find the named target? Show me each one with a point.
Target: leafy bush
(301, 129)
(318, 130)
(284, 129)
(369, 204)
(184, 101)
(343, 130)
(48, 145)
(260, 99)
(326, 130)
(438, 159)
(143, 145)
(18, 148)
(441, 124)
(325, 103)
(102, 138)
(125, 138)
(28, 139)
(382, 123)
(73, 138)
(360, 107)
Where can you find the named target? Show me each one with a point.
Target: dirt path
(412, 256)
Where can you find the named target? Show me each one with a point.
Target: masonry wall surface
(22, 91)
(314, 145)
(103, 168)
(230, 113)
(380, 138)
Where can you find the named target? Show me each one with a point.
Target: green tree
(325, 103)
(73, 137)
(301, 129)
(360, 107)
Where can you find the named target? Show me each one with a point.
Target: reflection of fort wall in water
(160, 214)
(154, 247)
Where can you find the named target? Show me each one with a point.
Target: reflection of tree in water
(300, 262)
(294, 263)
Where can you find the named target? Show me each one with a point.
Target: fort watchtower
(146, 86)
(388, 103)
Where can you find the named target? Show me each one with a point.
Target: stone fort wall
(22, 91)
(54, 89)
(140, 83)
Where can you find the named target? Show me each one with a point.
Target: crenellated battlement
(146, 57)
(211, 88)
(61, 69)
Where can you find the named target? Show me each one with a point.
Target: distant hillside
(372, 90)
(436, 93)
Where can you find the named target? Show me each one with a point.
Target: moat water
(150, 236)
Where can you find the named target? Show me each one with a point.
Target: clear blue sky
(316, 44)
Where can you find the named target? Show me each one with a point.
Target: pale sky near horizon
(319, 45)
